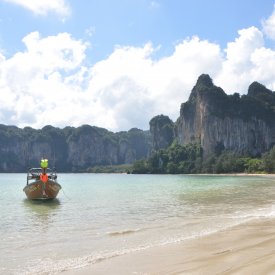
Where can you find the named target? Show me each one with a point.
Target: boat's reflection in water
(42, 213)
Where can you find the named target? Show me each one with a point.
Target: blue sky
(134, 22)
(116, 64)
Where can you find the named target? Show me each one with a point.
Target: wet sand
(248, 248)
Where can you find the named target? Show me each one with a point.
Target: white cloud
(44, 7)
(157, 86)
(236, 73)
(269, 25)
(239, 51)
(38, 82)
(48, 83)
(263, 60)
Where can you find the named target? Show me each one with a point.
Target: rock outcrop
(217, 121)
(162, 131)
(70, 149)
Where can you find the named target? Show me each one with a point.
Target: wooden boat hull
(38, 190)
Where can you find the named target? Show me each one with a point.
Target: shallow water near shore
(100, 216)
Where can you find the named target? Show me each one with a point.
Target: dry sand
(244, 249)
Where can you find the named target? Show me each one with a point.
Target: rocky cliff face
(90, 146)
(162, 131)
(70, 149)
(245, 125)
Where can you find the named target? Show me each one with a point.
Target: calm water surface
(99, 216)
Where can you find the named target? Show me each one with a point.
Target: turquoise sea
(100, 216)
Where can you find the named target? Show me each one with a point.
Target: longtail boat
(42, 183)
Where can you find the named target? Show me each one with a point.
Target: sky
(117, 63)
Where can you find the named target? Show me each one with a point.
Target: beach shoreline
(235, 174)
(248, 248)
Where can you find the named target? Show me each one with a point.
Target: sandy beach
(248, 248)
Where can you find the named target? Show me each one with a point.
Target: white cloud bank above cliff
(50, 83)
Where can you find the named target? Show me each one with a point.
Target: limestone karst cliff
(218, 121)
(70, 149)
(162, 131)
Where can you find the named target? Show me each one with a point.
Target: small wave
(124, 232)
(264, 212)
(48, 266)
